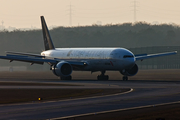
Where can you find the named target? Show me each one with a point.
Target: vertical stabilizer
(48, 44)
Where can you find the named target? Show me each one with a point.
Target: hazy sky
(26, 13)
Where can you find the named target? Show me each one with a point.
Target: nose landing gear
(102, 76)
(106, 77)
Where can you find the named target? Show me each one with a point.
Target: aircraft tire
(100, 77)
(125, 78)
(66, 78)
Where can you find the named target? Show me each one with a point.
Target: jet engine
(62, 69)
(130, 72)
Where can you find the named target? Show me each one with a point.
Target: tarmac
(149, 88)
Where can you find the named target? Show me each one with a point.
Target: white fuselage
(98, 59)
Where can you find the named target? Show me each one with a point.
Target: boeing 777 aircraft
(63, 61)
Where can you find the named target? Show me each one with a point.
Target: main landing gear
(66, 78)
(102, 76)
(125, 78)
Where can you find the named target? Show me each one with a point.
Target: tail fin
(48, 44)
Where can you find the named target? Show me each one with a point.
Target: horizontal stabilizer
(27, 59)
(8, 53)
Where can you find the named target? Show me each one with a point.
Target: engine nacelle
(130, 72)
(62, 69)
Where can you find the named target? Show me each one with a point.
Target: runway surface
(144, 93)
(148, 92)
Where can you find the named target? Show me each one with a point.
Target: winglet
(48, 44)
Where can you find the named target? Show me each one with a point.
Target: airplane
(63, 61)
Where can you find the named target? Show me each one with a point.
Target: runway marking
(89, 97)
(94, 96)
(131, 89)
(111, 111)
(32, 109)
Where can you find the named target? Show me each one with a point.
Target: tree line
(127, 35)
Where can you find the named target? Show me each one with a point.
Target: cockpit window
(127, 56)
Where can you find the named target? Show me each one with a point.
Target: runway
(144, 93)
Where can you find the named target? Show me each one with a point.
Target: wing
(37, 59)
(146, 56)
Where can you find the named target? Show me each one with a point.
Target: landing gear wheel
(106, 77)
(103, 77)
(125, 78)
(66, 78)
(99, 77)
